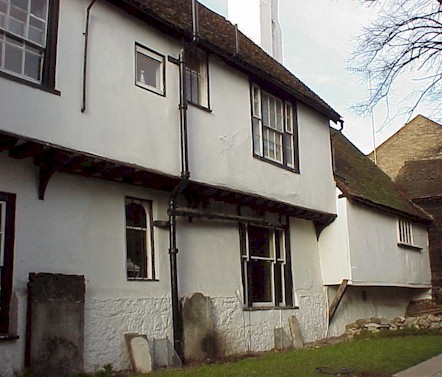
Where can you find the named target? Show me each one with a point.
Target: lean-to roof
(362, 181)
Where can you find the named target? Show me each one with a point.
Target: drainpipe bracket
(173, 251)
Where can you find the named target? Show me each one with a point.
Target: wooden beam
(336, 301)
(27, 149)
(7, 142)
(50, 162)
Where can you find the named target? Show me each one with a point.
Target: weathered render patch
(107, 320)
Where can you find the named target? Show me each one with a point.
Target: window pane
(256, 102)
(272, 120)
(148, 71)
(261, 278)
(289, 119)
(32, 65)
(289, 149)
(279, 116)
(278, 147)
(260, 241)
(1, 51)
(39, 8)
(3, 8)
(17, 22)
(23, 4)
(265, 109)
(135, 215)
(136, 253)
(257, 136)
(13, 58)
(36, 31)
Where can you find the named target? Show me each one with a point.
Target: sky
(318, 39)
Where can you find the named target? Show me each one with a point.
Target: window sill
(262, 308)
(197, 105)
(142, 279)
(19, 80)
(8, 337)
(274, 163)
(410, 247)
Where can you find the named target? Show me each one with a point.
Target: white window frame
(150, 261)
(405, 232)
(22, 42)
(274, 260)
(144, 51)
(267, 133)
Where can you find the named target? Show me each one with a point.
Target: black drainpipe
(86, 38)
(173, 250)
(185, 175)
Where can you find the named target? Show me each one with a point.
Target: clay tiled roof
(421, 178)
(362, 181)
(217, 35)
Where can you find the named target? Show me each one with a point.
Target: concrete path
(429, 368)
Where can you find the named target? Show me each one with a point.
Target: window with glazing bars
(274, 129)
(28, 39)
(405, 232)
(266, 267)
(140, 255)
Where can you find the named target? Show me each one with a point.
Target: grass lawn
(384, 355)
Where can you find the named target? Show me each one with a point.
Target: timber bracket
(49, 162)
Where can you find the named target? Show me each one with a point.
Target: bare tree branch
(407, 37)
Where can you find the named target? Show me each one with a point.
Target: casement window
(149, 70)
(274, 129)
(197, 78)
(140, 262)
(266, 268)
(405, 232)
(28, 38)
(7, 229)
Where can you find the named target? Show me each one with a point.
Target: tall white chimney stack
(259, 20)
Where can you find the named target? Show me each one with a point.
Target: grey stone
(164, 354)
(375, 320)
(282, 340)
(434, 318)
(57, 324)
(361, 323)
(295, 332)
(200, 340)
(139, 353)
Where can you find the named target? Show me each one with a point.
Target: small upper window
(197, 86)
(149, 70)
(274, 129)
(405, 232)
(25, 41)
(139, 242)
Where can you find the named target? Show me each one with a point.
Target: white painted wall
(127, 123)
(334, 246)
(79, 229)
(376, 259)
(378, 302)
(361, 245)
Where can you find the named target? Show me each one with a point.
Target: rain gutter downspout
(179, 188)
(86, 38)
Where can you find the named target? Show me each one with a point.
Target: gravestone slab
(282, 340)
(295, 332)
(139, 352)
(165, 355)
(198, 328)
(56, 324)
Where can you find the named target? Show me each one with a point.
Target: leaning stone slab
(165, 355)
(139, 353)
(295, 332)
(282, 340)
